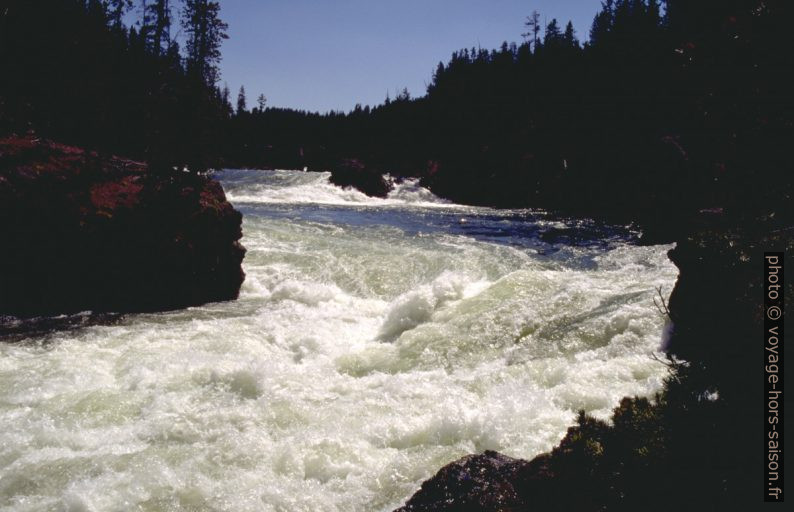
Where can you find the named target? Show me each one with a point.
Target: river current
(374, 341)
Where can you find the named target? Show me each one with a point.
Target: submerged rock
(353, 173)
(85, 232)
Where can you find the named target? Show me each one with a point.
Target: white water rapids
(374, 341)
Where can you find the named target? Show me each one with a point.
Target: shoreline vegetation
(675, 115)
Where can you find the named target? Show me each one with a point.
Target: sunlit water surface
(374, 341)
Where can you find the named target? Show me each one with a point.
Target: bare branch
(672, 364)
(661, 306)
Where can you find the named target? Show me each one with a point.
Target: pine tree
(241, 101)
(623, 11)
(569, 37)
(226, 102)
(602, 24)
(262, 102)
(553, 35)
(159, 14)
(205, 33)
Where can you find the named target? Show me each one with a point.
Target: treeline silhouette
(73, 71)
(668, 107)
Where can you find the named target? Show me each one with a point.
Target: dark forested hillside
(72, 70)
(669, 106)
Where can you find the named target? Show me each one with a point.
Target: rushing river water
(374, 341)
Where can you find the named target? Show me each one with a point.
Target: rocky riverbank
(82, 231)
(691, 447)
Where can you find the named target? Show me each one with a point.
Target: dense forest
(670, 106)
(73, 71)
(667, 107)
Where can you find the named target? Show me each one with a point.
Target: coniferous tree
(159, 14)
(553, 35)
(241, 101)
(602, 24)
(569, 37)
(205, 33)
(623, 11)
(226, 98)
(74, 72)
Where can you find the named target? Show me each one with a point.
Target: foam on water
(359, 359)
(293, 187)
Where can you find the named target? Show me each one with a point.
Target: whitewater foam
(361, 357)
(293, 187)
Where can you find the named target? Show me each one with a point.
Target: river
(374, 341)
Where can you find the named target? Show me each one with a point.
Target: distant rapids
(374, 341)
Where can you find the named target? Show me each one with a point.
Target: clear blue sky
(331, 54)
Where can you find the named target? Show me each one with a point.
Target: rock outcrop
(353, 173)
(82, 232)
(484, 482)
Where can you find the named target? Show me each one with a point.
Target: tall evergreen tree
(553, 35)
(205, 33)
(241, 101)
(159, 14)
(569, 37)
(602, 24)
(226, 97)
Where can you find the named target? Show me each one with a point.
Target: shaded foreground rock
(85, 232)
(353, 173)
(568, 479)
(485, 482)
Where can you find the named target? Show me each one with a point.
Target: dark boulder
(85, 232)
(475, 483)
(353, 173)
